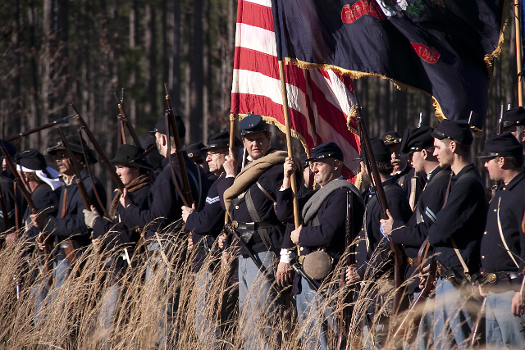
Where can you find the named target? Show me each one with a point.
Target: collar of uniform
(402, 171)
(465, 169)
(339, 178)
(517, 179)
(433, 172)
(389, 181)
(250, 159)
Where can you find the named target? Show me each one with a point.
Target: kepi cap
(221, 140)
(195, 150)
(31, 159)
(160, 127)
(502, 145)
(458, 131)
(74, 146)
(326, 150)
(252, 124)
(415, 140)
(380, 150)
(514, 116)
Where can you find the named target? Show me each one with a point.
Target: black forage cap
(326, 150)
(458, 131)
(195, 150)
(514, 116)
(74, 146)
(414, 140)
(221, 140)
(252, 124)
(502, 145)
(381, 151)
(31, 159)
(160, 127)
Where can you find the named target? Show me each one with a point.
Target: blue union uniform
(462, 219)
(164, 200)
(69, 222)
(412, 234)
(506, 209)
(206, 224)
(328, 233)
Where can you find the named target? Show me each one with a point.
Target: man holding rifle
(321, 238)
(503, 244)
(68, 228)
(456, 235)
(418, 146)
(249, 199)
(45, 188)
(373, 253)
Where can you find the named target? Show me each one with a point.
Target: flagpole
(289, 144)
(232, 145)
(517, 25)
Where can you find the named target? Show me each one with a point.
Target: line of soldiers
(436, 199)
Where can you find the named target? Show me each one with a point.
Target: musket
(30, 203)
(478, 328)
(39, 128)
(104, 158)
(495, 184)
(346, 298)
(171, 127)
(381, 197)
(407, 329)
(100, 203)
(78, 178)
(126, 122)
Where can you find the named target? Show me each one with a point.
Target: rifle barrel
(39, 128)
(104, 158)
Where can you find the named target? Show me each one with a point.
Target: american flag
(321, 102)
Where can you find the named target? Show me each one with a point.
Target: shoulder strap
(503, 237)
(268, 195)
(456, 250)
(256, 218)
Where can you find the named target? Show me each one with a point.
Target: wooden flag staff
(289, 146)
(517, 25)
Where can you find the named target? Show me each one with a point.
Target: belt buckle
(491, 278)
(301, 259)
(410, 261)
(65, 245)
(235, 224)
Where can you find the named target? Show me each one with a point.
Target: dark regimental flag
(321, 102)
(442, 47)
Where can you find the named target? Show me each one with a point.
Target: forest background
(54, 52)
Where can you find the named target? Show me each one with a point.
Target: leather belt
(499, 277)
(251, 226)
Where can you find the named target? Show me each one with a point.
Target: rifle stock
(104, 159)
(408, 327)
(381, 196)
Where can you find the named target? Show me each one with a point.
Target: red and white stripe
(319, 101)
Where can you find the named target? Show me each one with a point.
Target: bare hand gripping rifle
(381, 197)
(171, 128)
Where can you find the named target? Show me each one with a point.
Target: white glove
(90, 217)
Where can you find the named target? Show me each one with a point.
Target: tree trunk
(133, 19)
(47, 63)
(196, 82)
(34, 139)
(175, 58)
(150, 65)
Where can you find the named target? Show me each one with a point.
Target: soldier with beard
(411, 181)
(67, 228)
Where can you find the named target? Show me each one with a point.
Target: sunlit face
(256, 144)
(443, 153)
(323, 170)
(126, 174)
(215, 159)
(64, 165)
(494, 168)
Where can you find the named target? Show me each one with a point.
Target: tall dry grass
(158, 309)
